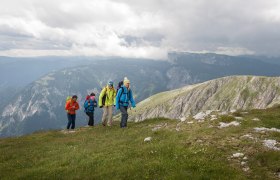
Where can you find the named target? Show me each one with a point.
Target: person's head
(126, 82)
(87, 98)
(110, 84)
(74, 98)
(92, 96)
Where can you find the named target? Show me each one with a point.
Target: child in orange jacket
(71, 107)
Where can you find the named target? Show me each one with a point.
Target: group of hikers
(109, 97)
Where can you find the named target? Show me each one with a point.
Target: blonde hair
(126, 80)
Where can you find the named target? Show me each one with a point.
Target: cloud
(234, 51)
(138, 28)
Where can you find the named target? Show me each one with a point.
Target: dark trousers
(90, 118)
(123, 110)
(71, 121)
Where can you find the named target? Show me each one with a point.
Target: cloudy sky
(133, 28)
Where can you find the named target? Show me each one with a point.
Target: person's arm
(77, 107)
(95, 103)
(115, 95)
(100, 97)
(117, 100)
(132, 99)
(86, 104)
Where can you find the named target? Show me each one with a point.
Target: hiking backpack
(89, 105)
(104, 97)
(119, 86)
(69, 98)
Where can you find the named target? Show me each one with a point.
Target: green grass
(197, 151)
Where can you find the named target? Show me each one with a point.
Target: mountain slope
(39, 105)
(177, 150)
(224, 94)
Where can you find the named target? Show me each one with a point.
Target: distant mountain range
(40, 104)
(19, 72)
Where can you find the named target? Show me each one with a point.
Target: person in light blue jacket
(89, 105)
(124, 96)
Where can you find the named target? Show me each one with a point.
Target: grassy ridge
(196, 151)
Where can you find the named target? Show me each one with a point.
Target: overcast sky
(138, 28)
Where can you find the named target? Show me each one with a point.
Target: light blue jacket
(89, 105)
(124, 96)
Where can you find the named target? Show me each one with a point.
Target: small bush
(227, 119)
(237, 114)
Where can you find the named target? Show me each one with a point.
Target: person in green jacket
(107, 99)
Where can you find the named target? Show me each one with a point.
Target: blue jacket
(89, 105)
(123, 97)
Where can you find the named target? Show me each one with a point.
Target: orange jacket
(71, 107)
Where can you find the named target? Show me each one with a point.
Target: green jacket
(110, 96)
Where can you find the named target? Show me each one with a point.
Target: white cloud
(234, 51)
(138, 28)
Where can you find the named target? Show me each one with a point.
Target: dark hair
(120, 84)
(92, 94)
(75, 97)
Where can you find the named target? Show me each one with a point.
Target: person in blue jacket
(89, 105)
(124, 96)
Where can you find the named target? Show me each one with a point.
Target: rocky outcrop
(224, 94)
